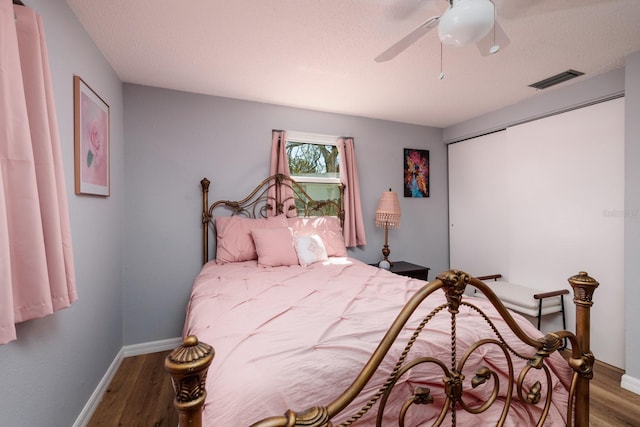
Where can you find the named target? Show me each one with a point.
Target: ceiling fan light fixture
(466, 22)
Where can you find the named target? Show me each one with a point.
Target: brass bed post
(582, 359)
(206, 218)
(188, 366)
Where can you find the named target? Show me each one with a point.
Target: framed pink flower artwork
(91, 115)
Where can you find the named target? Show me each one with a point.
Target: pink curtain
(280, 164)
(36, 261)
(354, 234)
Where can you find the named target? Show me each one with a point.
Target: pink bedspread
(295, 337)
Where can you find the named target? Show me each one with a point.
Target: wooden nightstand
(404, 268)
(415, 271)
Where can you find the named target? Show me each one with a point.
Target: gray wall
(632, 218)
(49, 373)
(624, 81)
(174, 139)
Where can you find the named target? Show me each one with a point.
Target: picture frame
(92, 141)
(416, 172)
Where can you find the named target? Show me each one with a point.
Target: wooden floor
(141, 395)
(609, 404)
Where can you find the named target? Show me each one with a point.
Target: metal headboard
(276, 193)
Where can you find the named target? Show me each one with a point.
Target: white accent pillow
(310, 249)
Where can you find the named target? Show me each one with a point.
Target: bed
(305, 335)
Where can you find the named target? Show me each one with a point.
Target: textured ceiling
(319, 54)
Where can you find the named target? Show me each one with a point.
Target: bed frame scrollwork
(189, 371)
(277, 194)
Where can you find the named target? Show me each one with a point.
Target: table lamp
(387, 215)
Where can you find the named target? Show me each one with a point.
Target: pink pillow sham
(274, 246)
(233, 236)
(327, 227)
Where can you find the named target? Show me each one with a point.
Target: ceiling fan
(464, 22)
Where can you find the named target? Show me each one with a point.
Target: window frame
(317, 139)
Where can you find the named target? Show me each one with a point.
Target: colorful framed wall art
(416, 173)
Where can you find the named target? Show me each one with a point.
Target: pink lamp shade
(388, 212)
(387, 215)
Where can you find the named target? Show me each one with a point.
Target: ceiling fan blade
(408, 40)
(496, 37)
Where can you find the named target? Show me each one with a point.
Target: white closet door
(566, 204)
(478, 217)
(541, 202)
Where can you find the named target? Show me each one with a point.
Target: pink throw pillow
(310, 249)
(233, 236)
(327, 227)
(274, 246)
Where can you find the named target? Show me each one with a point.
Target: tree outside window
(316, 167)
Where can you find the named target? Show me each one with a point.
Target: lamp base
(385, 253)
(385, 263)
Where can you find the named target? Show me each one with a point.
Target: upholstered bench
(525, 300)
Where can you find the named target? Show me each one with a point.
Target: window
(321, 163)
(314, 163)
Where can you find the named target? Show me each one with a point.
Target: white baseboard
(151, 347)
(126, 351)
(630, 383)
(96, 396)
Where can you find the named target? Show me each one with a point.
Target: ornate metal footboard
(188, 365)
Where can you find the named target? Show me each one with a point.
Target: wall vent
(557, 79)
